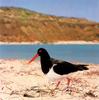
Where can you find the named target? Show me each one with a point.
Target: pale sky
(69, 8)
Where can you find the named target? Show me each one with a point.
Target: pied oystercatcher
(55, 69)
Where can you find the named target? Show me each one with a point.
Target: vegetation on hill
(21, 25)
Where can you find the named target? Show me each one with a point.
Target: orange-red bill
(33, 58)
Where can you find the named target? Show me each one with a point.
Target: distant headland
(22, 25)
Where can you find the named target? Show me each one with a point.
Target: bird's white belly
(51, 75)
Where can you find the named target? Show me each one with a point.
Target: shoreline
(54, 43)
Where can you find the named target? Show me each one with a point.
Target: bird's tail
(82, 67)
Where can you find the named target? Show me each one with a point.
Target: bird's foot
(69, 88)
(59, 85)
(60, 82)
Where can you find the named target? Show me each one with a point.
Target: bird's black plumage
(59, 67)
(66, 68)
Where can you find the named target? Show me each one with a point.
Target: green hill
(21, 25)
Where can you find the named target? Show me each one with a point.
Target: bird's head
(42, 53)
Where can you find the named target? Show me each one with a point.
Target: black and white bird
(55, 69)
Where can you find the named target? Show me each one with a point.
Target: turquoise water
(76, 53)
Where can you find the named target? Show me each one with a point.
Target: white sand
(20, 81)
(55, 43)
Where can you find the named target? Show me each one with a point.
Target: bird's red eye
(40, 51)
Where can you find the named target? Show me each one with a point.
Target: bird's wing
(66, 68)
(56, 61)
(70, 65)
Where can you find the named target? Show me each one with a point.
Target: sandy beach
(20, 81)
(54, 43)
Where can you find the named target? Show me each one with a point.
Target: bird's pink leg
(68, 87)
(59, 82)
(57, 85)
(68, 81)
